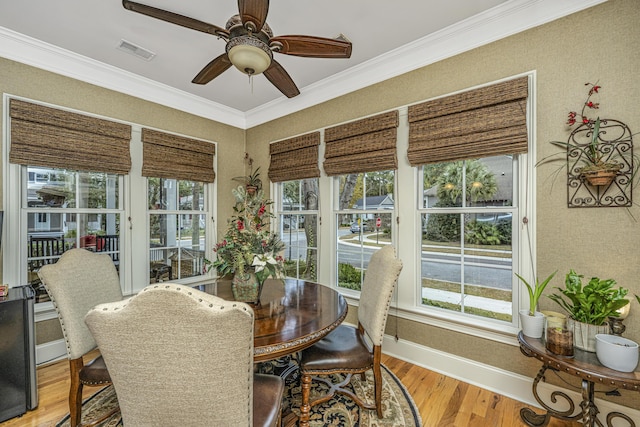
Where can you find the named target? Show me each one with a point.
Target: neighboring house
(373, 203)
(502, 170)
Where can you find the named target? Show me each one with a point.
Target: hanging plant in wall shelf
(600, 162)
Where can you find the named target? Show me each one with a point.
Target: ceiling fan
(250, 43)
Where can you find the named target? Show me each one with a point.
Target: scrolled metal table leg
(589, 408)
(612, 415)
(533, 419)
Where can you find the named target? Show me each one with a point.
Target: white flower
(260, 261)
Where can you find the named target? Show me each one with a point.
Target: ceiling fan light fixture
(249, 54)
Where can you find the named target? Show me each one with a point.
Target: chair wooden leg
(75, 392)
(305, 407)
(377, 380)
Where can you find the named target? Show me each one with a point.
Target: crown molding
(509, 18)
(30, 51)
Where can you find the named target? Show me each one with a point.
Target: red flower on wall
(588, 104)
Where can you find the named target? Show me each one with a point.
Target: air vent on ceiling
(136, 50)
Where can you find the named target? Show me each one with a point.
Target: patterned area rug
(398, 406)
(100, 403)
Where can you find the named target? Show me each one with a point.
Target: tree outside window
(298, 227)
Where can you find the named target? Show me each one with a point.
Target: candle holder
(616, 326)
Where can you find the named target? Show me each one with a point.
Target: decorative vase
(532, 326)
(584, 334)
(246, 287)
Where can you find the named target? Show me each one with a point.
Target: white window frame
(523, 243)
(407, 236)
(277, 226)
(335, 213)
(134, 239)
(514, 208)
(177, 212)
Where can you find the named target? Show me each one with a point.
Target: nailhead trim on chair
(211, 304)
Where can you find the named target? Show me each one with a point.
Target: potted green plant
(589, 306)
(252, 182)
(532, 321)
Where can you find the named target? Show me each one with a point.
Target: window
(177, 223)
(297, 219)
(471, 148)
(364, 214)
(67, 210)
(467, 233)
(66, 204)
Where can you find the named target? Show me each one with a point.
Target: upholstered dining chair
(196, 348)
(76, 283)
(347, 348)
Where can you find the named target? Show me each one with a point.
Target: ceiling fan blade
(212, 70)
(281, 79)
(174, 18)
(253, 13)
(312, 47)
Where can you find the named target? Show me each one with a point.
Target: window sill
(476, 327)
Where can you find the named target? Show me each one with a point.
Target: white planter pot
(584, 334)
(617, 353)
(532, 326)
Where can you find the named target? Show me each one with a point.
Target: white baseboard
(51, 351)
(506, 383)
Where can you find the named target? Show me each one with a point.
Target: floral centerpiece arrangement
(249, 250)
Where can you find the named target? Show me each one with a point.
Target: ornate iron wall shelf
(612, 144)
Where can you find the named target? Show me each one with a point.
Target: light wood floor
(442, 401)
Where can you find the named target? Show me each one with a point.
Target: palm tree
(480, 183)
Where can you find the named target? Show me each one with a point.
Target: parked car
(355, 227)
(494, 218)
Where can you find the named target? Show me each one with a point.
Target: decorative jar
(558, 336)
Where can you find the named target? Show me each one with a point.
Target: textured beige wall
(600, 44)
(22, 80)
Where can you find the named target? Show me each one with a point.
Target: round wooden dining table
(291, 316)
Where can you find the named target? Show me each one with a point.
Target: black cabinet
(18, 381)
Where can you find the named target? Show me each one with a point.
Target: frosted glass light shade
(249, 59)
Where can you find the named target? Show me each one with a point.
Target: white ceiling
(79, 38)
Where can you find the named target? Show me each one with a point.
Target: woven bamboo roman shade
(362, 146)
(50, 137)
(483, 122)
(171, 156)
(295, 158)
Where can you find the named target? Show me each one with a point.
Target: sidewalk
(496, 306)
